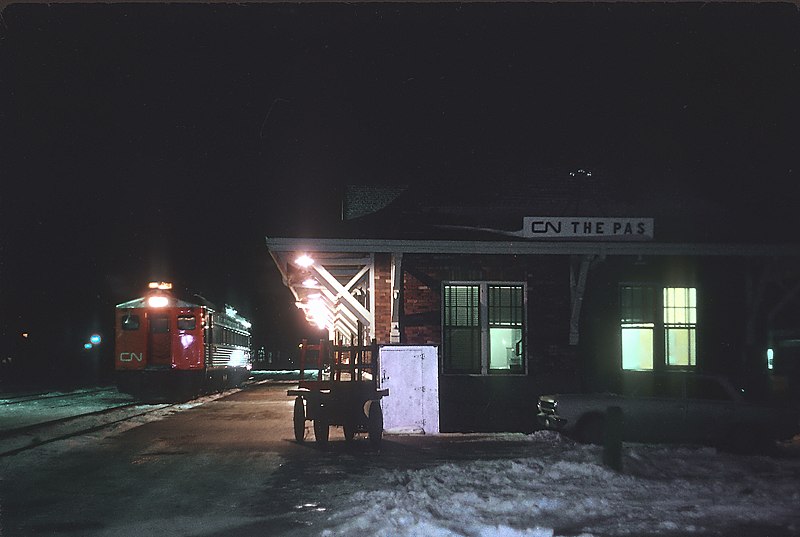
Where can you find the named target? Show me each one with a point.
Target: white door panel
(411, 374)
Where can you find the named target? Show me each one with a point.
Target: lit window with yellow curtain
(646, 313)
(680, 326)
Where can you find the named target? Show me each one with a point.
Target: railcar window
(159, 324)
(130, 322)
(187, 322)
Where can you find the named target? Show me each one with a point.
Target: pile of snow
(563, 489)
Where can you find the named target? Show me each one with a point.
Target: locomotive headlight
(157, 301)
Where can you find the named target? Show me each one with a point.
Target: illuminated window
(646, 314)
(638, 325)
(680, 321)
(505, 328)
(483, 328)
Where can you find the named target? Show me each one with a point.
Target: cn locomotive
(167, 348)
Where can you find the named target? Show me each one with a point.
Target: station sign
(599, 228)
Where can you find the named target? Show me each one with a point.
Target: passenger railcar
(169, 348)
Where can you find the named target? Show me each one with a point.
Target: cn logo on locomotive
(130, 356)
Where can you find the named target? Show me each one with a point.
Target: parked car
(673, 407)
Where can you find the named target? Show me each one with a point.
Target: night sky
(154, 141)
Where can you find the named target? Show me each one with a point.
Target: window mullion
(483, 322)
(660, 350)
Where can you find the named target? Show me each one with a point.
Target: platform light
(160, 285)
(317, 313)
(310, 282)
(95, 339)
(770, 358)
(87, 346)
(304, 261)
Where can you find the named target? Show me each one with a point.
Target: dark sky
(165, 141)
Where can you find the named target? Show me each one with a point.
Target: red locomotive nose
(170, 348)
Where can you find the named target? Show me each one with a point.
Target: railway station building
(561, 285)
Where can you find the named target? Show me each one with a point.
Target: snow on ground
(557, 488)
(563, 489)
(55, 405)
(61, 405)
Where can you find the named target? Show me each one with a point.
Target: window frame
(660, 326)
(124, 326)
(484, 327)
(182, 322)
(670, 313)
(159, 323)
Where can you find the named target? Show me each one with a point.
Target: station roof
(494, 219)
(280, 245)
(487, 210)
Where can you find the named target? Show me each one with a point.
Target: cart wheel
(321, 430)
(299, 420)
(375, 424)
(349, 431)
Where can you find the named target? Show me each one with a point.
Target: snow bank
(562, 489)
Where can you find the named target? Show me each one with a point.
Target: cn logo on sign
(130, 356)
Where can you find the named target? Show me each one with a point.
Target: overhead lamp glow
(304, 261)
(317, 313)
(95, 339)
(310, 282)
(157, 301)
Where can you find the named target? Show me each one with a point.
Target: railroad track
(18, 439)
(41, 396)
(13, 441)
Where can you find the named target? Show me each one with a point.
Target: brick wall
(383, 297)
(420, 318)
